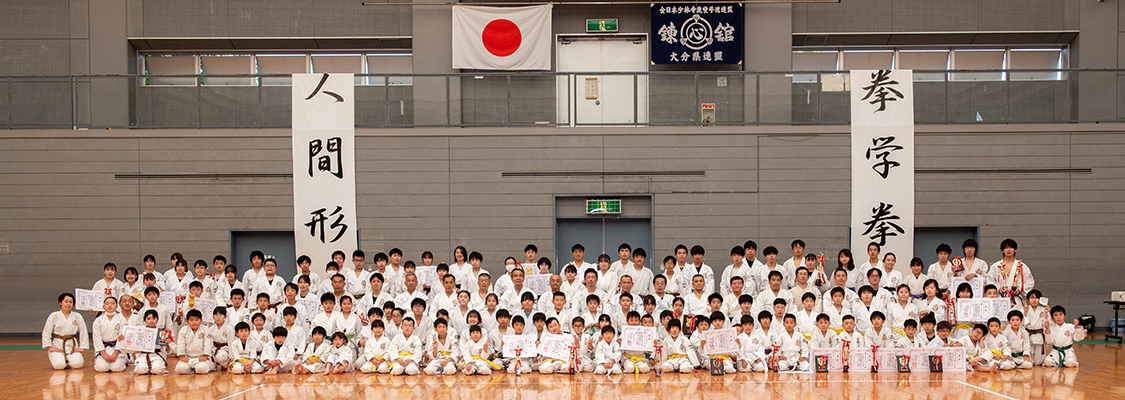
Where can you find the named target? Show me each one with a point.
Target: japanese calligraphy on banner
(697, 33)
(882, 103)
(324, 211)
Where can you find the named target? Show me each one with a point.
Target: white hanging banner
(883, 163)
(324, 210)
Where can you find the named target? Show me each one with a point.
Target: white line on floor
(989, 391)
(244, 391)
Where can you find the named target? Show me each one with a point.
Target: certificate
(524, 342)
(138, 338)
(638, 338)
(555, 346)
(720, 341)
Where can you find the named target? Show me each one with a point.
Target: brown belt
(67, 338)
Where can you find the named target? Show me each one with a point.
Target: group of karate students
(388, 319)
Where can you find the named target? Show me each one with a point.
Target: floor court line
(243, 392)
(986, 390)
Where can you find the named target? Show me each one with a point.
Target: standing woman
(64, 335)
(844, 257)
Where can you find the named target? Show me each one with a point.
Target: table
(1117, 306)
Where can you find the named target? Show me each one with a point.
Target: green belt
(1062, 353)
(1017, 355)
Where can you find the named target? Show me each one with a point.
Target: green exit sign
(601, 25)
(604, 206)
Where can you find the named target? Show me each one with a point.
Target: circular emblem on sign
(501, 37)
(696, 33)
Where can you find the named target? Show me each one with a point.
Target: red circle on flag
(501, 37)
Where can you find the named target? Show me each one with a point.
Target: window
(158, 65)
(813, 61)
(978, 59)
(390, 64)
(925, 60)
(880, 59)
(281, 64)
(227, 65)
(1035, 59)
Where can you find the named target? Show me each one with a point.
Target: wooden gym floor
(1101, 376)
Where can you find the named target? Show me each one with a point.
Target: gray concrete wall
(64, 214)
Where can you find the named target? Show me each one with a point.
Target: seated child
(312, 359)
(752, 345)
(1061, 337)
(151, 363)
(1019, 341)
(106, 330)
(194, 345)
(244, 352)
(281, 355)
(677, 354)
(474, 353)
(443, 350)
(406, 350)
(910, 339)
(793, 347)
(607, 353)
(340, 357)
(375, 356)
(980, 357)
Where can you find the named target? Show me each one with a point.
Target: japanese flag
(502, 37)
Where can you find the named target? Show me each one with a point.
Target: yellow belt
(244, 360)
(899, 331)
(636, 360)
(997, 353)
(314, 358)
(375, 364)
(443, 353)
(404, 354)
(836, 330)
(490, 363)
(677, 356)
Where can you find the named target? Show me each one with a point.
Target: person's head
(518, 323)
(441, 326)
(219, 315)
(271, 266)
(745, 303)
(1008, 247)
(715, 300)
(626, 283)
(990, 291)
(604, 262)
(943, 252)
(639, 256)
(775, 280)
(472, 317)
(377, 327)
(910, 326)
(703, 324)
(681, 253)
(530, 251)
(877, 319)
(660, 283)
(964, 291)
(577, 324)
(624, 251)
(460, 254)
(928, 322)
(410, 280)
(409, 267)
(109, 305)
(544, 265)
(889, 261)
(569, 272)
(718, 319)
(994, 326)
(503, 318)
(262, 300)
(200, 269)
(149, 262)
(152, 294)
(747, 323)
(1015, 319)
(916, 266)
(751, 248)
(673, 327)
(237, 296)
(808, 301)
(475, 333)
(697, 253)
(848, 323)
(790, 322)
(798, 247)
(151, 317)
(407, 326)
(837, 295)
(866, 293)
(418, 307)
(903, 292)
(518, 277)
(484, 281)
(279, 335)
(110, 269)
(427, 258)
(558, 299)
(779, 306)
(626, 301)
(527, 301)
(970, 248)
(338, 257)
(608, 333)
(1033, 297)
(318, 333)
(697, 282)
(770, 253)
(339, 339)
(553, 325)
(555, 282)
(844, 260)
(737, 253)
(823, 321)
(1058, 314)
(875, 277)
(978, 332)
(678, 305)
(578, 251)
(593, 303)
(127, 302)
(195, 289)
(181, 267)
(328, 302)
(737, 284)
(131, 275)
(944, 328)
(873, 250)
(491, 301)
(395, 256)
(764, 319)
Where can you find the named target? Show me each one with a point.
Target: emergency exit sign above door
(603, 206)
(601, 25)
